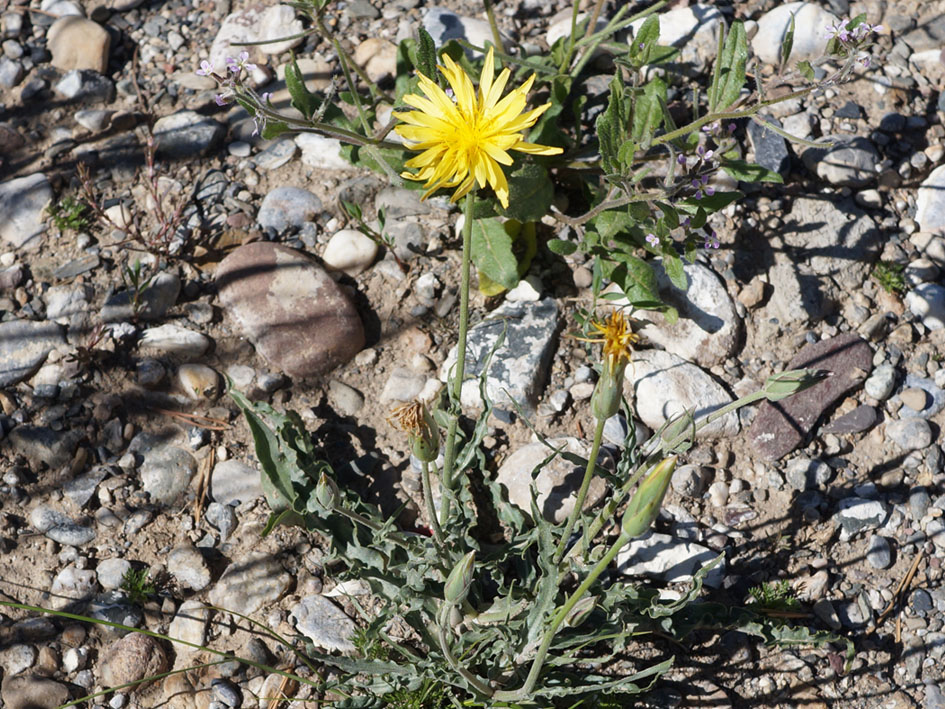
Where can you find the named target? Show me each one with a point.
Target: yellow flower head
(465, 139)
(617, 337)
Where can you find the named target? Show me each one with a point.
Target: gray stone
(190, 626)
(518, 367)
(186, 134)
(71, 585)
(668, 559)
(166, 472)
(11, 72)
(694, 30)
(347, 400)
(854, 514)
(849, 163)
(930, 201)
(398, 202)
(86, 86)
(248, 585)
(285, 207)
(111, 572)
(402, 385)
(770, 148)
(862, 418)
(233, 481)
(65, 302)
(154, 301)
(690, 480)
(879, 553)
(881, 382)
(810, 41)
(910, 434)
(175, 341)
(279, 21)
(39, 444)
(277, 154)
(665, 385)
(927, 301)
(77, 266)
(223, 518)
(289, 308)
(779, 428)
(22, 201)
(708, 326)
(131, 659)
(806, 474)
(32, 692)
(188, 566)
(556, 484)
(322, 622)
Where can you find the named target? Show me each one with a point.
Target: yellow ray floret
(465, 140)
(616, 336)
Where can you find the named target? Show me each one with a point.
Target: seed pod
(605, 401)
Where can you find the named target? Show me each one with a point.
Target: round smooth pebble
(810, 19)
(199, 381)
(881, 382)
(111, 573)
(350, 251)
(915, 398)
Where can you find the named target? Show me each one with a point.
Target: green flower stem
(582, 492)
(459, 373)
(570, 53)
(562, 613)
(428, 501)
(496, 35)
(616, 24)
(653, 456)
(479, 684)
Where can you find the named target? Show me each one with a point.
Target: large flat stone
(289, 308)
(22, 202)
(24, 345)
(782, 426)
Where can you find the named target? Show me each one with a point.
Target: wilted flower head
(465, 140)
(618, 340)
(422, 432)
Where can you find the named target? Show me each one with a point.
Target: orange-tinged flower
(617, 337)
(465, 140)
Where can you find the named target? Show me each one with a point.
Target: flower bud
(581, 610)
(780, 386)
(326, 492)
(646, 502)
(605, 402)
(460, 579)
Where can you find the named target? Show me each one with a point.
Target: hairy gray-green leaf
(530, 193)
(426, 54)
(492, 252)
(612, 127)
(787, 44)
(648, 112)
(302, 99)
(731, 71)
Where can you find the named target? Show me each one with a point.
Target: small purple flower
(709, 154)
(206, 69)
(686, 222)
(695, 183)
(731, 127)
(701, 151)
(705, 179)
(652, 240)
(709, 191)
(681, 159)
(240, 63)
(698, 194)
(864, 59)
(839, 31)
(711, 241)
(221, 99)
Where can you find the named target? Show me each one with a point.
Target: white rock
(930, 201)
(810, 38)
(528, 290)
(320, 152)
(174, 340)
(111, 572)
(669, 559)
(22, 201)
(324, 624)
(187, 565)
(664, 385)
(556, 484)
(927, 301)
(279, 21)
(694, 28)
(189, 625)
(350, 251)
